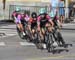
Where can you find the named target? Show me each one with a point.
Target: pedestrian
(61, 10)
(53, 7)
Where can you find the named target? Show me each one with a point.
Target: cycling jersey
(33, 22)
(43, 20)
(18, 18)
(14, 14)
(26, 17)
(21, 18)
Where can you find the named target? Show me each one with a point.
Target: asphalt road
(14, 48)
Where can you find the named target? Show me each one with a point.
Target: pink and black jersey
(47, 17)
(43, 20)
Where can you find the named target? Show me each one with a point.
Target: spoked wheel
(50, 48)
(39, 42)
(49, 43)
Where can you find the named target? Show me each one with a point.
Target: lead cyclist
(43, 20)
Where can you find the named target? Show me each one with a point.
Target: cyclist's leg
(42, 33)
(48, 25)
(29, 31)
(19, 25)
(60, 38)
(33, 27)
(49, 42)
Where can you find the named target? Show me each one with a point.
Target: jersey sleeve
(38, 18)
(48, 17)
(14, 14)
(19, 17)
(27, 18)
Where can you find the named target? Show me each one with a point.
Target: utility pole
(66, 9)
(4, 3)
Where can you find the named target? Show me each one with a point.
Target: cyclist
(15, 13)
(43, 20)
(57, 26)
(33, 23)
(17, 17)
(24, 18)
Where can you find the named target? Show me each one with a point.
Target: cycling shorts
(33, 25)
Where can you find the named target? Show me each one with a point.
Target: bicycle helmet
(42, 11)
(17, 9)
(34, 15)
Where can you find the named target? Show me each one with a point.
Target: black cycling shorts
(42, 24)
(33, 25)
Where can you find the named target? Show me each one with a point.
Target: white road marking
(2, 44)
(26, 44)
(68, 24)
(20, 44)
(8, 32)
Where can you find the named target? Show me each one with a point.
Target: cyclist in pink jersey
(17, 16)
(44, 20)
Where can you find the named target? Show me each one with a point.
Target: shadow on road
(58, 51)
(9, 28)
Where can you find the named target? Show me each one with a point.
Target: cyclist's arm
(27, 18)
(59, 23)
(19, 18)
(15, 19)
(14, 16)
(50, 20)
(38, 22)
(29, 24)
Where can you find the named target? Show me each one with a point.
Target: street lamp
(66, 10)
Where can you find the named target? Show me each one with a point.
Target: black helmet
(34, 15)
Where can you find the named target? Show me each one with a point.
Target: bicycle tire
(39, 42)
(50, 43)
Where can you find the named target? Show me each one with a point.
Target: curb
(6, 21)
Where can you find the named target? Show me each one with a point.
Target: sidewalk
(69, 26)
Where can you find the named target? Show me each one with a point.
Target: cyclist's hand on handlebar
(52, 28)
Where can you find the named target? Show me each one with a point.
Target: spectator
(61, 10)
(71, 9)
(53, 7)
